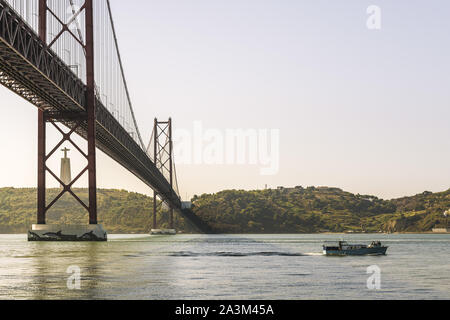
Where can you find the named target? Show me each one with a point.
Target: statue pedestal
(48, 232)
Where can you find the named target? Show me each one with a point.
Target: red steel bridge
(63, 57)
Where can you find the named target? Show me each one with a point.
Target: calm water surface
(223, 267)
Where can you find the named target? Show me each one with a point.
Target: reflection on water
(49, 265)
(222, 267)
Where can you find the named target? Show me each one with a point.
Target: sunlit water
(223, 267)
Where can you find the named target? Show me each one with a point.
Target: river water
(223, 267)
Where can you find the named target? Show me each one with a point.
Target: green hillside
(119, 211)
(323, 209)
(295, 210)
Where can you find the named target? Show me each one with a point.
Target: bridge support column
(41, 127)
(41, 168)
(91, 111)
(41, 231)
(155, 225)
(171, 224)
(163, 160)
(72, 120)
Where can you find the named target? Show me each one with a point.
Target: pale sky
(364, 110)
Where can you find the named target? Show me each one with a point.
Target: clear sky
(364, 110)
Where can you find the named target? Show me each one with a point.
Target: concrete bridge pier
(48, 232)
(155, 231)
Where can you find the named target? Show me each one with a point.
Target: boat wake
(233, 254)
(313, 254)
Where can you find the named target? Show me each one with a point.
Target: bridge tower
(74, 121)
(38, 59)
(163, 159)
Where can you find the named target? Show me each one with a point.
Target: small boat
(342, 248)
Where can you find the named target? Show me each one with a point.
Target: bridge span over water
(63, 57)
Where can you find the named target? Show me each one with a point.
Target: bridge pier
(155, 210)
(74, 121)
(41, 231)
(163, 160)
(41, 126)
(155, 230)
(49, 232)
(171, 225)
(41, 168)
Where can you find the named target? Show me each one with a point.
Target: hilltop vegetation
(311, 209)
(296, 210)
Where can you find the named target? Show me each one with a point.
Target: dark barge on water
(342, 248)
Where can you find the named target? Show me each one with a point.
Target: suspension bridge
(63, 57)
